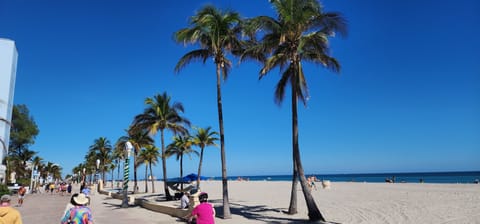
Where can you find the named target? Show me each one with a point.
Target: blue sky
(407, 98)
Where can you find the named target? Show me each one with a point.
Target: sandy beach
(344, 202)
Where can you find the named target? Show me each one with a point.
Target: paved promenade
(47, 208)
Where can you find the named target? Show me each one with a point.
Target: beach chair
(176, 186)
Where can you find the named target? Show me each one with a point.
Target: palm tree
(217, 34)
(141, 159)
(203, 138)
(102, 150)
(181, 145)
(139, 139)
(299, 34)
(150, 154)
(54, 170)
(118, 155)
(160, 115)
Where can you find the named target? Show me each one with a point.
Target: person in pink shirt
(204, 212)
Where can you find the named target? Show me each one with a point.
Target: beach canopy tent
(188, 182)
(186, 179)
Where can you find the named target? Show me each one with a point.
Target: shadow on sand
(261, 213)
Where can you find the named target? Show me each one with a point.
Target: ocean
(429, 177)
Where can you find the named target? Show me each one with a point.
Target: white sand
(372, 203)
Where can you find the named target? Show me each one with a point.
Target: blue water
(433, 177)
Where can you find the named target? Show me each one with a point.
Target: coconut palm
(203, 138)
(53, 170)
(181, 145)
(217, 34)
(150, 156)
(102, 150)
(300, 33)
(161, 114)
(118, 156)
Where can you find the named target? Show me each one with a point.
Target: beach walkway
(48, 208)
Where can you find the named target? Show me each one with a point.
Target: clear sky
(407, 98)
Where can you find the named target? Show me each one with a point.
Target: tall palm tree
(118, 156)
(181, 145)
(161, 114)
(217, 34)
(150, 155)
(300, 33)
(203, 138)
(141, 159)
(103, 149)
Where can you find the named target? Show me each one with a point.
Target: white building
(8, 70)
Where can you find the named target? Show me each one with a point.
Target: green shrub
(4, 189)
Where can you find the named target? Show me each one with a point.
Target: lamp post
(96, 171)
(128, 149)
(32, 178)
(84, 176)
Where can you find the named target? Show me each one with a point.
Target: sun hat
(5, 197)
(81, 199)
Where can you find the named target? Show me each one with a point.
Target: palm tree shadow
(259, 212)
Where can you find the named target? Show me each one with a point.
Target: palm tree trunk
(292, 209)
(199, 168)
(146, 178)
(313, 211)
(226, 204)
(118, 173)
(135, 185)
(164, 167)
(181, 173)
(153, 180)
(113, 175)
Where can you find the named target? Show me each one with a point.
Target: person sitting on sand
(204, 212)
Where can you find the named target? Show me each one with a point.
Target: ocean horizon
(463, 177)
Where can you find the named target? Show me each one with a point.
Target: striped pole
(126, 171)
(125, 183)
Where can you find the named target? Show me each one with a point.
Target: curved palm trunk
(292, 208)
(103, 172)
(164, 167)
(313, 211)
(146, 178)
(113, 176)
(135, 185)
(118, 174)
(151, 173)
(181, 173)
(199, 168)
(226, 204)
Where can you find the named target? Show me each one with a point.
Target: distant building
(8, 70)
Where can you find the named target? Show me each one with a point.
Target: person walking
(21, 195)
(7, 213)
(79, 213)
